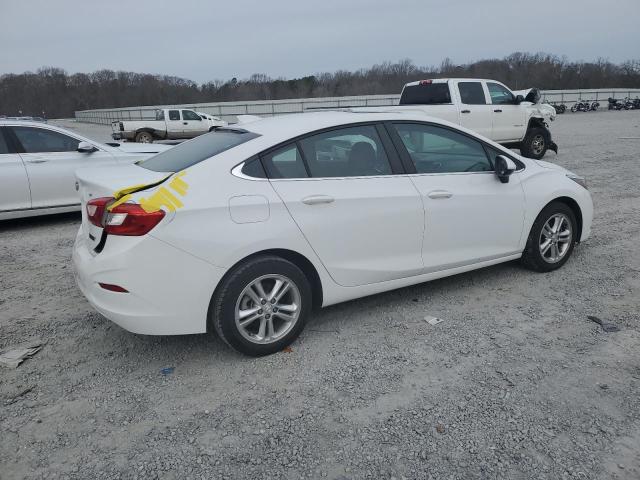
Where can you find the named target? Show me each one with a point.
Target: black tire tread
(531, 257)
(217, 301)
(525, 148)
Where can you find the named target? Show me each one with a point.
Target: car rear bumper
(169, 290)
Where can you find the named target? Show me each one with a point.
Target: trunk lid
(99, 182)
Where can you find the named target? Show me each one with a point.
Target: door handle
(185, 123)
(497, 110)
(439, 194)
(465, 111)
(317, 199)
(37, 160)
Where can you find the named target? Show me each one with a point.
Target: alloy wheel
(267, 309)
(555, 238)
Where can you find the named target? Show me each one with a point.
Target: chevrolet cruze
(247, 229)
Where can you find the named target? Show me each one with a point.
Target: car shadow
(40, 221)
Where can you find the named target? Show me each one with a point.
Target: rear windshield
(428, 94)
(195, 151)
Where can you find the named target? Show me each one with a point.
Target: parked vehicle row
(38, 163)
(560, 108)
(488, 107)
(264, 221)
(585, 106)
(624, 104)
(169, 124)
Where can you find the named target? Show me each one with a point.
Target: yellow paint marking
(160, 198)
(178, 184)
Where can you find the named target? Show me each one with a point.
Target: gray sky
(205, 40)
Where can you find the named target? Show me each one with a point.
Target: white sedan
(246, 230)
(38, 163)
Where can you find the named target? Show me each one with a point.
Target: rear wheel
(535, 143)
(552, 238)
(144, 137)
(261, 306)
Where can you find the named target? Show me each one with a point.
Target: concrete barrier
(229, 110)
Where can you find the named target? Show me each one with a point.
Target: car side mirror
(86, 147)
(519, 99)
(504, 167)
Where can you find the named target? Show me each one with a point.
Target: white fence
(230, 110)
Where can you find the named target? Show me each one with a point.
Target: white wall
(229, 110)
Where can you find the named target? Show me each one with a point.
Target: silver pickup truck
(169, 124)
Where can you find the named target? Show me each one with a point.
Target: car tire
(535, 143)
(144, 137)
(539, 255)
(239, 294)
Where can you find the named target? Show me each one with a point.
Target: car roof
(282, 127)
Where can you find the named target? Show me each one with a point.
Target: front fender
(538, 195)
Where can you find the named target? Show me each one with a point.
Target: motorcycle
(559, 108)
(615, 104)
(595, 105)
(581, 106)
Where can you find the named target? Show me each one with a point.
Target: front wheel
(535, 143)
(261, 306)
(552, 238)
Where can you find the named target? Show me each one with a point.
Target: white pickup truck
(514, 119)
(170, 124)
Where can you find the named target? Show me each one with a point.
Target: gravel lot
(516, 382)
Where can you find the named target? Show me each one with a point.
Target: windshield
(195, 151)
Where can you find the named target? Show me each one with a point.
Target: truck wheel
(144, 137)
(535, 143)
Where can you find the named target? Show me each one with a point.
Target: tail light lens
(96, 209)
(128, 219)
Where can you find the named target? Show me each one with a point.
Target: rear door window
(285, 162)
(426, 94)
(195, 151)
(40, 140)
(346, 152)
(471, 93)
(174, 114)
(4, 146)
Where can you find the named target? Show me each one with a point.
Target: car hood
(552, 166)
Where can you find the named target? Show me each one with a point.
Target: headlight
(579, 180)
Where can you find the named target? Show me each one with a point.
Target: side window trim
(392, 152)
(405, 158)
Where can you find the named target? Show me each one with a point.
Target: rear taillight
(96, 209)
(113, 288)
(130, 219)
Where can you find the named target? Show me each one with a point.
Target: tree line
(54, 93)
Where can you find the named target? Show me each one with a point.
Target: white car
(248, 228)
(38, 163)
